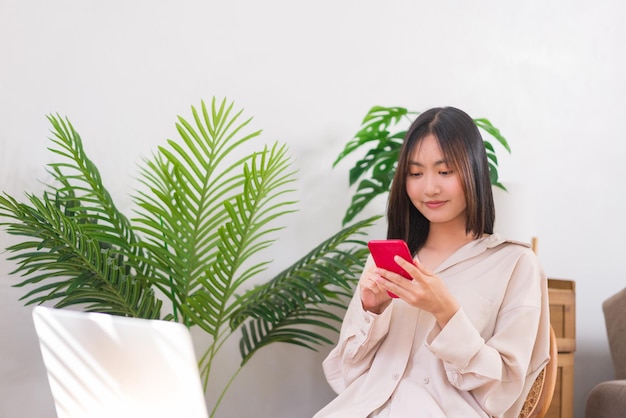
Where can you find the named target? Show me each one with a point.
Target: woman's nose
(432, 186)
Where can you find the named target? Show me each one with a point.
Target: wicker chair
(540, 395)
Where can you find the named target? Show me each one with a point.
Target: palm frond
(294, 330)
(247, 232)
(207, 213)
(82, 191)
(188, 184)
(66, 265)
(325, 276)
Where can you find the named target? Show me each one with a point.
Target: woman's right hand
(373, 297)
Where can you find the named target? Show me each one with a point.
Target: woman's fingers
(412, 268)
(374, 297)
(392, 282)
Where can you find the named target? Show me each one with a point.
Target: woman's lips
(434, 204)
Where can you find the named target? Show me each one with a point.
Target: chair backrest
(540, 395)
(615, 317)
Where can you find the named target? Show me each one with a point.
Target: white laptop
(102, 365)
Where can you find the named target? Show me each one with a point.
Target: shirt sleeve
(495, 369)
(360, 336)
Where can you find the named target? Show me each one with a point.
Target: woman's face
(433, 186)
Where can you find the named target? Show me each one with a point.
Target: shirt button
(363, 332)
(395, 376)
(367, 320)
(426, 380)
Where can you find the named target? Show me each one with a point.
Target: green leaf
(316, 279)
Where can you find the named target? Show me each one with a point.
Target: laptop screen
(101, 365)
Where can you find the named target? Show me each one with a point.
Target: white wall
(548, 73)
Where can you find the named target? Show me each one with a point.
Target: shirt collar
(475, 248)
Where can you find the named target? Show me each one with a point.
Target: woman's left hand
(426, 291)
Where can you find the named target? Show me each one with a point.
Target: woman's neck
(443, 241)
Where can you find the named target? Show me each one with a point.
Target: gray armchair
(608, 399)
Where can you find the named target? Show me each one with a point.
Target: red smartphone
(383, 252)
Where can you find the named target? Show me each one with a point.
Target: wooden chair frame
(540, 395)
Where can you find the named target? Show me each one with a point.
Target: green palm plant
(375, 170)
(207, 209)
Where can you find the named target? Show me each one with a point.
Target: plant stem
(172, 295)
(221, 397)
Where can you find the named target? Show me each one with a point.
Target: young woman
(468, 335)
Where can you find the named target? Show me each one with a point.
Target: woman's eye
(415, 174)
(446, 172)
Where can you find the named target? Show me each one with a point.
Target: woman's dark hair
(464, 150)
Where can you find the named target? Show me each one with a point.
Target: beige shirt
(401, 364)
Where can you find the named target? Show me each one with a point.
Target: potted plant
(375, 170)
(207, 208)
